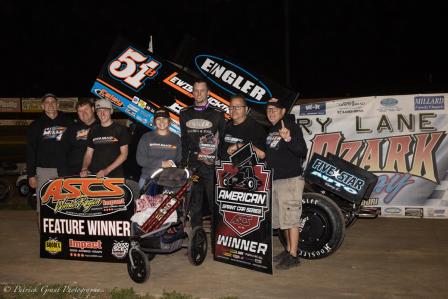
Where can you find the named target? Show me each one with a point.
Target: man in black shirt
(242, 130)
(285, 153)
(202, 127)
(75, 139)
(44, 150)
(107, 145)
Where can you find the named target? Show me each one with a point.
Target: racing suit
(201, 132)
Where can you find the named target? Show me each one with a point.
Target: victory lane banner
(243, 228)
(85, 219)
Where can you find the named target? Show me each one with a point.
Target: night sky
(340, 48)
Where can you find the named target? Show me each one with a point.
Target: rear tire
(24, 188)
(322, 227)
(197, 246)
(140, 272)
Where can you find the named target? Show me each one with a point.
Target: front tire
(197, 247)
(140, 272)
(322, 227)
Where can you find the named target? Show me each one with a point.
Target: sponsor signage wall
(401, 139)
(85, 219)
(243, 212)
(9, 105)
(138, 82)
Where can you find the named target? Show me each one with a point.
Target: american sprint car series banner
(401, 139)
(85, 219)
(137, 82)
(242, 212)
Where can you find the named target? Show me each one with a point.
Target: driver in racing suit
(202, 127)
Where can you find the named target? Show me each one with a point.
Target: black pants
(205, 183)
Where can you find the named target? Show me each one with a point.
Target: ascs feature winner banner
(85, 219)
(243, 228)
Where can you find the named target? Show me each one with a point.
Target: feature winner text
(94, 227)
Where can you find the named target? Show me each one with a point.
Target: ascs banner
(401, 139)
(85, 219)
(243, 212)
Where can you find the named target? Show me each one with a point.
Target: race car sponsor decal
(243, 212)
(233, 78)
(340, 177)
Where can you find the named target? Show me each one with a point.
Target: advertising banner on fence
(137, 82)
(401, 139)
(10, 105)
(243, 212)
(85, 219)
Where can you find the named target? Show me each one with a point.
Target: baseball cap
(161, 112)
(102, 104)
(275, 103)
(49, 95)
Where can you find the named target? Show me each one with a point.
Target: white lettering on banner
(108, 228)
(94, 227)
(242, 244)
(63, 226)
(233, 79)
(246, 197)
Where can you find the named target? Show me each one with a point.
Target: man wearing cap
(45, 154)
(75, 138)
(202, 127)
(285, 152)
(159, 148)
(107, 145)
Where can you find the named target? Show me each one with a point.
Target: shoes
(288, 262)
(279, 257)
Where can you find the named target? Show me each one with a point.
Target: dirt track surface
(380, 258)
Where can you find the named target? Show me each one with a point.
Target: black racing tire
(5, 190)
(24, 188)
(197, 246)
(141, 270)
(322, 228)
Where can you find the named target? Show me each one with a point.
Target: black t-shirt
(106, 142)
(248, 131)
(75, 143)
